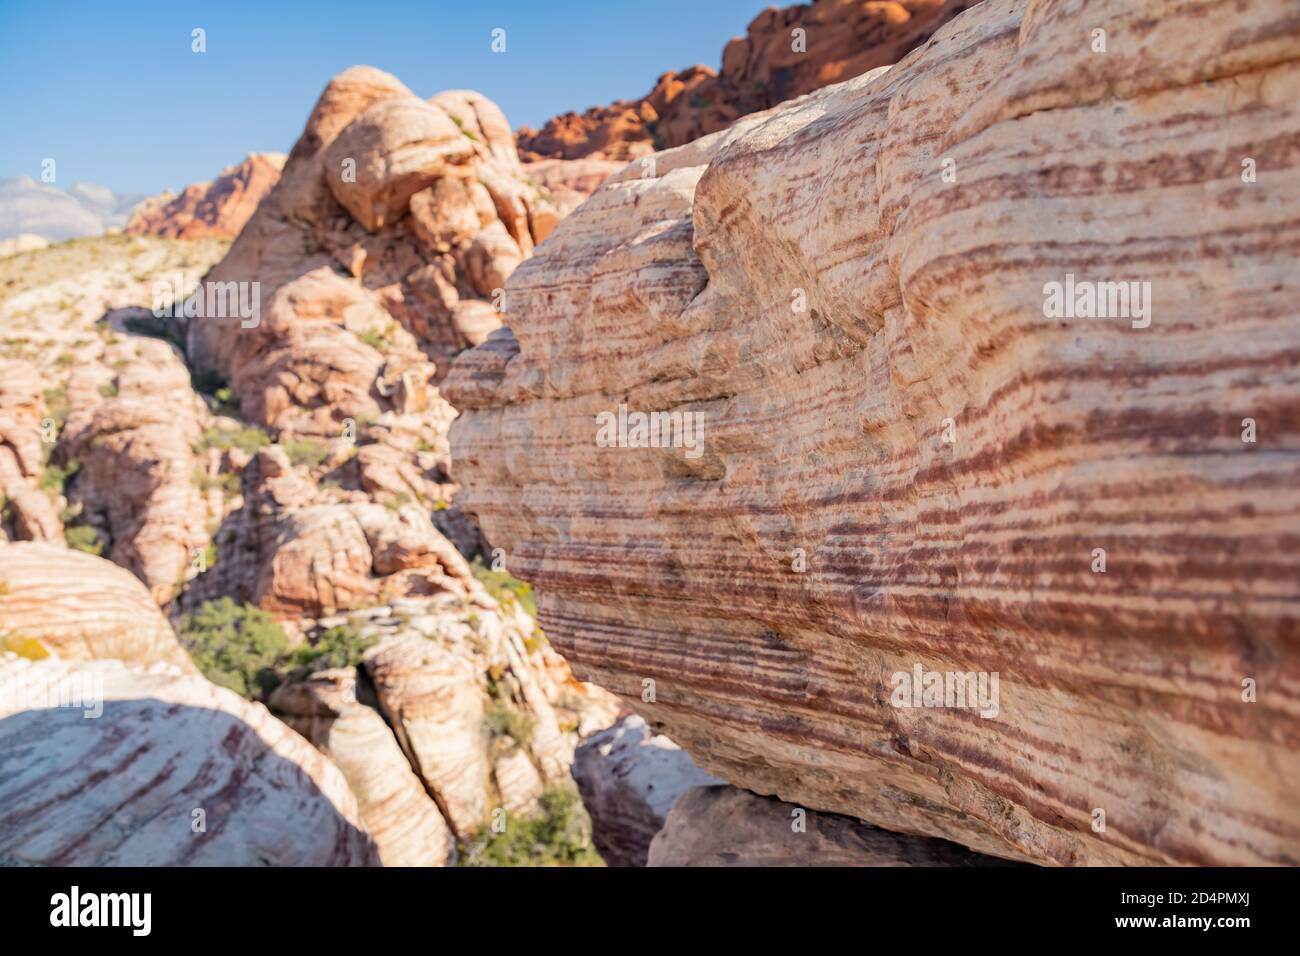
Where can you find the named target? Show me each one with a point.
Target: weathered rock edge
(811, 283)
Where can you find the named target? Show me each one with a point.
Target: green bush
(502, 720)
(55, 478)
(560, 836)
(377, 339)
(56, 403)
(341, 646)
(249, 438)
(83, 538)
(227, 481)
(236, 646)
(504, 588)
(306, 451)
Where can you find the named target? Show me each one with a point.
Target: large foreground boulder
(913, 468)
(108, 764)
(67, 604)
(629, 778)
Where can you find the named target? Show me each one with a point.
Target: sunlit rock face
(785, 52)
(919, 459)
(153, 767)
(376, 256)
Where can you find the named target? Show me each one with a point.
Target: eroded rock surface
(217, 208)
(399, 814)
(629, 778)
(785, 53)
(134, 449)
(377, 255)
(726, 826)
(909, 461)
(63, 603)
(172, 771)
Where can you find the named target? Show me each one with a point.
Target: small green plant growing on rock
(306, 451)
(559, 836)
(55, 478)
(502, 721)
(341, 646)
(236, 646)
(248, 438)
(504, 588)
(84, 538)
(377, 339)
(56, 403)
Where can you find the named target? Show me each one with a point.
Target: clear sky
(111, 90)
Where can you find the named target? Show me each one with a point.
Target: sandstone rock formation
(477, 706)
(566, 183)
(131, 431)
(217, 208)
(785, 53)
(726, 826)
(912, 460)
(104, 764)
(96, 416)
(26, 513)
(377, 255)
(629, 779)
(400, 816)
(299, 548)
(63, 603)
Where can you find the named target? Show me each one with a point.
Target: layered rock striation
(108, 764)
(57, 602)
(918, 461)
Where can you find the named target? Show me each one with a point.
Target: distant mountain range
(218, 208)
(83, 209)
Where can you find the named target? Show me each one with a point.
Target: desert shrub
(504, 588)
(306, 451)
(377, 339)
(502, 720)
(84, 538)
(249, 438)
(559, 836)
(341, 646)
(236, 646)
(56, 403)
(227, 481)
(55, 478)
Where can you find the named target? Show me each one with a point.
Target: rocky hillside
(785, 53)
(252, 487)
(218, 208)
(984, 526)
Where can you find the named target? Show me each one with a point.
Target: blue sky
(111, 90)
